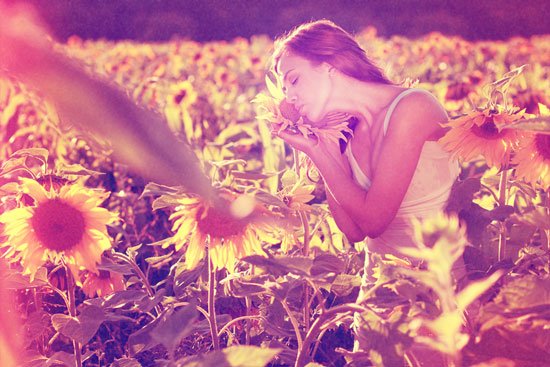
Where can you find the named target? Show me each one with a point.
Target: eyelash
(294, 81)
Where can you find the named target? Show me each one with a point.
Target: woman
(392, 168)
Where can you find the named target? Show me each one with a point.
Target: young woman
(392, 168)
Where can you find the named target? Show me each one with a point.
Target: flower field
(108, 268)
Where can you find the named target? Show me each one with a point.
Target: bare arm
(414, 120)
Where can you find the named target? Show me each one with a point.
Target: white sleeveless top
(427, 194)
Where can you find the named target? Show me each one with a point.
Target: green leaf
(537, 217)
(247, 285)
(476, 289)
(462, 194)
(142, 339)
(58, 358)
(344, 284)
(501, 212)
(121, 298)
(81, 328)
(165, 201)
(159, 261)
(16, 280)
(126, 362)
(37, 323)
(174, 326)
(327, 263)
(525, 292)
(154, 189)
(280, 265)
(251, 176)
(38, 153)
(539, 125)
(235, 356)
(77, 170)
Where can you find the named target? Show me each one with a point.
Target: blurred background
(205, 20)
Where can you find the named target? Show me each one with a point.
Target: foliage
(293, 303)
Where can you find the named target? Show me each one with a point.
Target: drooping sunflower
(533, 156)
(200, 225)
(67, 223)
(479, 133)
(280, 113)
(104, 283)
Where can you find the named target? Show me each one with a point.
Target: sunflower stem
(502, 202)
(546, 231)
(248, 325)
(72, 312)
(211, 303)
(140, 274)
(237, 319)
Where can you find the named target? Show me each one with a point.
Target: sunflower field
(107, 264)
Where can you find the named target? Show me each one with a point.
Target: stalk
(211, 305)
(72, 313)
(501, 202)
(140, 274)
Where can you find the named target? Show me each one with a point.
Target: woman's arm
(415, 120)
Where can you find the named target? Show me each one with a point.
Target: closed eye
(294, 81)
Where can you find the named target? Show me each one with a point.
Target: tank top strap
(396, 101)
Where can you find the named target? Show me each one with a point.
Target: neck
(363, 100)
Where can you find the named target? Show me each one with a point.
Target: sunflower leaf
(81, 328)
(235, 356)
(174, 326)
(540, 125)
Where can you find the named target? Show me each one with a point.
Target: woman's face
(306, 86)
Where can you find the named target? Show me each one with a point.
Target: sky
(203, 20)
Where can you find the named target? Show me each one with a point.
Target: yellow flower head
(229, 238)
(103, 283)
(533, 156)
(479, 133)
(67, 223)
(182, 95)
(276, 110)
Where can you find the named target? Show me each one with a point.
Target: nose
(290, 97)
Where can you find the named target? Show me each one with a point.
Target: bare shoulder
(419, 113)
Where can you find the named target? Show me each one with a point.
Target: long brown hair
(323, 41)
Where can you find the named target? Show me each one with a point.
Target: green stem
(318, 325)
(546, 231)
(235, 320)
(248, 325)
(211, 303)
(140, 274)
(502, 202)
(72, 312)
(294, 323)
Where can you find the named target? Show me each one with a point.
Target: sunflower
(479, 133)
(533, 156)
(103, 283)
(276, 110)
(67, 224)
(197, 222)
(296, 193)
(178, 102)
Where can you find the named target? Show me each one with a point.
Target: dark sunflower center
(104, 274)
(180, 97)
(58, 225)
(487, 130)
(542, 142)
(219, 225)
